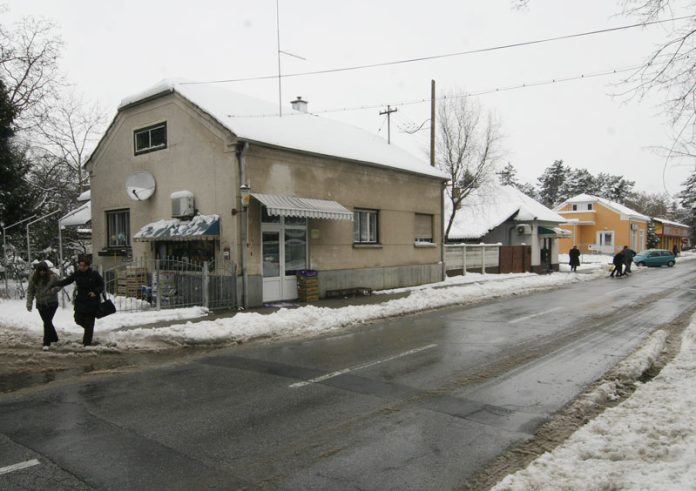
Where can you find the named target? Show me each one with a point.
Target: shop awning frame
(292, 206)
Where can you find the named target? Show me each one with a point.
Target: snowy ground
(22, 328)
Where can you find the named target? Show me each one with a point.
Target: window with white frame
(424, 228)
(365, 226)
(150, 139)
(118, 228)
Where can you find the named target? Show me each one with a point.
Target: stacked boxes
(307, 285)
(129, 282)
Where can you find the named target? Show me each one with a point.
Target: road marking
(16, 467)
(360, 367)
(520, 319)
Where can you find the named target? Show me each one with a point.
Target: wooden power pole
(432, 123)
(388, 113)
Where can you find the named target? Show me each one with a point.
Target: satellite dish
(140, 186)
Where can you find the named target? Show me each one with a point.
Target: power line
(446, 55)
(519, 86)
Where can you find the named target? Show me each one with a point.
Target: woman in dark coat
(42, 287)
(574, 254)
(88, 286)
(618, 264)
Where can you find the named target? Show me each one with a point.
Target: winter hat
(42, 266)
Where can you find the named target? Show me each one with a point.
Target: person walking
(574, 254)
(88, 286)
(618, 262)
(42, 288)
(629, 254)
(675, 250)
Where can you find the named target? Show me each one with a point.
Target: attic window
(589, 206)
(150, 139)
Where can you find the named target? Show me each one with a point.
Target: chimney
(299, 105)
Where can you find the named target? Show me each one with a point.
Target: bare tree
(467, 148)
(671, 68)
(70, 133)
(29, 53)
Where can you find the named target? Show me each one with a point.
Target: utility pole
(432, 123)
(388, 113)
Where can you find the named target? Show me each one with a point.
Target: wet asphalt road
(419, 402)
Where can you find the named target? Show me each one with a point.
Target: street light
(4, 249)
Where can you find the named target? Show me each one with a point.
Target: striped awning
(292, 206)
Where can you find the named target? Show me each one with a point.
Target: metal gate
(168, 283)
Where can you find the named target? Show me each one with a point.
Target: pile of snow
(24, 328)
(646, 442)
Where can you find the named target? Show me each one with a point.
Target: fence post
(206, 280)
(463, 259)
(158, 293)
(483, 259)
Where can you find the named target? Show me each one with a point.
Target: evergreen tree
(652, 240)
(15, 198)
(551, 183)
(614, 188)
(579, 181)
(688, 200)
(508, 176)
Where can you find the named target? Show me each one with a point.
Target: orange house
(601, 226)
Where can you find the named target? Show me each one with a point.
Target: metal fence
(460, 258)
(167, 283)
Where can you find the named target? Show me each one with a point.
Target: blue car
(655, 257)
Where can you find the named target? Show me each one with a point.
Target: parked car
(655, 257)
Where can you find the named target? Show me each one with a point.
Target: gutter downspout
(443, 274)
(242, 149)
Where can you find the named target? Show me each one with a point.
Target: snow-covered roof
(670, 222)
(81, 215)
(85, 195)
(199, 227)
(256, 120)
(619, 208)
(490, 205)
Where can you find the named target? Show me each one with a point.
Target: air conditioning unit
(524, 229)
(182, 204)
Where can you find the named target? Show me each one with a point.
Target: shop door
(284, 252)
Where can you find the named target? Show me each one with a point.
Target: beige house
(203, 173)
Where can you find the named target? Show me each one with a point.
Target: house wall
(196, 159)
(395, 261)
(200, 157)
(605, 219)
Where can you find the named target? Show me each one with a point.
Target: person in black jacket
(618, 264)
(574, 255)
(88, 286)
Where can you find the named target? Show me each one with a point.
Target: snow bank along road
(416, 402)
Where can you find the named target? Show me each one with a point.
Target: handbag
(106, 307)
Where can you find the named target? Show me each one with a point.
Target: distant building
(600, 225)
(671, 234)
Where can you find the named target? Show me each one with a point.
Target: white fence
(471, 257)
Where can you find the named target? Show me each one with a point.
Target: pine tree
(551, 183)
(653, 240)
(688, 200)
(508, 176)
(14, 191)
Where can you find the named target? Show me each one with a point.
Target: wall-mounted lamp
(245, 192)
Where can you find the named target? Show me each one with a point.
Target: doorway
(283, 254)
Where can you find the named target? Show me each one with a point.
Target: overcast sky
(116, 48)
